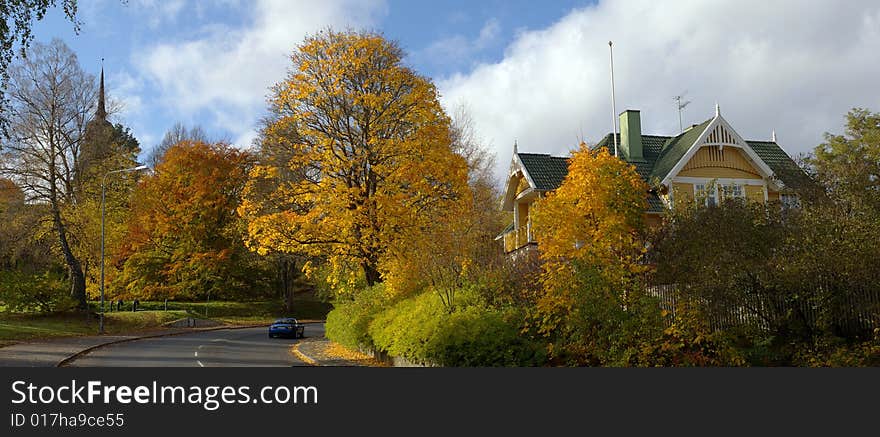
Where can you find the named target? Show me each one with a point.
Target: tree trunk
(372, 274)
(77, 277)
(287, 284)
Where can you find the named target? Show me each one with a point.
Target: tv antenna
(681, 105)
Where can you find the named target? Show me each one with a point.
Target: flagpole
(613, 101)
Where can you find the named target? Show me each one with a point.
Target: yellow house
(708, 161)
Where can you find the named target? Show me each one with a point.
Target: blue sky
(531, 71)
(441, 38)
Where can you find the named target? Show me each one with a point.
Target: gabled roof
(674, 149)
(660, 160)
(547, 172)
(661, 155)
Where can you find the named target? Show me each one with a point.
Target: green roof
(674, 150)
(546, 171)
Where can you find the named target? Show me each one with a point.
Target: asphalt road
(220, 348)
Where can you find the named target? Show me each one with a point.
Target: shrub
(25, 292)
(347, 323)
(421, 330)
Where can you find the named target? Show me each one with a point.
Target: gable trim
(510, 194)
(731, 139)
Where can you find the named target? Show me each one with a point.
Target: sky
(531, 72)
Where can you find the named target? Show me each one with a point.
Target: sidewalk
(323, 352)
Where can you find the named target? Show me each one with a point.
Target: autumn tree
(51, 101)
(456, 249)
(106, 147)
(183, 239)
(589, 237)
(371, 146)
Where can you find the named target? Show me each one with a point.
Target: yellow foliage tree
(369, 150)
(591, 223)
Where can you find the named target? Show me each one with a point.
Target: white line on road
(200, 363)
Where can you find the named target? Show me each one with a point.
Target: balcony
(518, 238)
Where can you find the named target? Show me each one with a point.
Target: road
(220, 348)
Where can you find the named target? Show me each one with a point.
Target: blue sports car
(287, 327)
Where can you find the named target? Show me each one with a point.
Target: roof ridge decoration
(719, 133)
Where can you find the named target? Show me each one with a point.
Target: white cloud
(459, 49)
(158, 12)
(227, 72)
(793, 66)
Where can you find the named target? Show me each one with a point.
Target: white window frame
(701, 192)
(789, 200)
(714, 196)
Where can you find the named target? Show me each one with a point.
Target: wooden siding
(713, 162)
(773, 196)
(755, 193)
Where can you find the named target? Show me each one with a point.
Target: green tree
(848, 166)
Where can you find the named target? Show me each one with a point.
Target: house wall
(681, 190)
(754, 193)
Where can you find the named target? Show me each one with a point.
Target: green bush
(349, 320)
(28, 292)
(421, 330)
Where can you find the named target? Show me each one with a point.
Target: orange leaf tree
(369, 151)
(183, 238)
(589, 237)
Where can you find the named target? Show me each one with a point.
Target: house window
(706, 193)
(712, 197)
(732, 191)
(789, 201)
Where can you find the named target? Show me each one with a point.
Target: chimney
(631, 135)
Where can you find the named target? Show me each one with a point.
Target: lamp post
(103, 215)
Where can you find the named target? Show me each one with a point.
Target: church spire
(101, 113)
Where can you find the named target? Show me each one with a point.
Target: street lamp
(103, 214)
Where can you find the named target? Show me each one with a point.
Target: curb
(303, 357)
(86, 351)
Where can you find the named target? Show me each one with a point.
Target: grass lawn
(245, 312)
(22, 327)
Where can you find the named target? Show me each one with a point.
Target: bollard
(166, 304)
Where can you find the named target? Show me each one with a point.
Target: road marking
(200, 363)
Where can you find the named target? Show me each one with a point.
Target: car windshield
(280, 321)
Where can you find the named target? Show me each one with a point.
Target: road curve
(249, 347)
